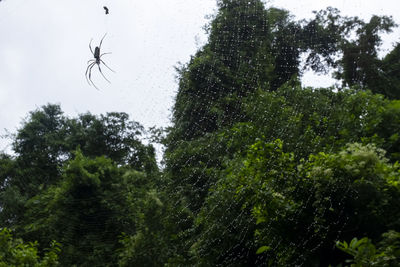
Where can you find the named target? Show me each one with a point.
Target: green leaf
(263, 249)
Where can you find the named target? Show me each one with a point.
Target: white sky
(44, 51)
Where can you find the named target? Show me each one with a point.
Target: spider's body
(96, 61)
(97, 54)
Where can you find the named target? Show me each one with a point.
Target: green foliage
(365, 253)
(301, 210)
(294, 211)
(93, 194)
(313, 120)
(196, 163)
(112, 135)
(360, 64)
(240, 38)
(226, 220)
(388, 82)
(225, 92)
(40, 148)
(45, 142)
(248, 49)
(308, 121)
(150, 244)
(95, 202)
(14, 252)
(350, 46)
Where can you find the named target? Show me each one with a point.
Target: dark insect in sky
(105, 8)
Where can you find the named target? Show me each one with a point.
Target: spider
(96, 61)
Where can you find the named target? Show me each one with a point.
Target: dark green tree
(322, 38)
(308, 121)
(95, 202)
(46, 141)
(243, 86)
(41, 150)
(14, 252)
(360, 64)
(389, 73)
(365, 253)
(295, 212)
(249, 47)
(91, 194)
(351, 45)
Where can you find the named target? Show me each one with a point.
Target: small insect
(96, 61)
(105, 8)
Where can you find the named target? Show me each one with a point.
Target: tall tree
(95, 202)
(309, 122)
(351, 45)
(45, 142)
(360, 64)
(388, 82)
(249, 48)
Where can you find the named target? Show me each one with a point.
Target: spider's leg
(90, 46)
(98, 65)
(86, 72)
(91, 60)
(105, 54)
(106, 65)
(89, 71)
(90, 77)
(102, 40)
(95, 86)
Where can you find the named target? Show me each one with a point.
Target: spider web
(204, 219)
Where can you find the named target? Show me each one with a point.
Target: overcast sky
(44, 52)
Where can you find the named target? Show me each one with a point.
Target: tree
(351, 46)
(47, 186)
(309, 122)
(45, 142)
(14, 252)
(95, 202)
(365, 253)
(300, 210)
(322, 38)
(40, 148)
(388, 83)
(243, 86)
(112, 135)
(249, 48)
(360, 64)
